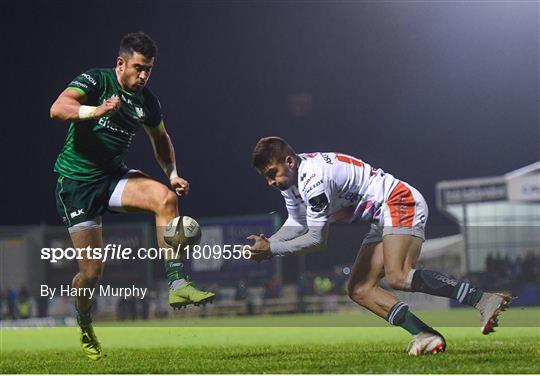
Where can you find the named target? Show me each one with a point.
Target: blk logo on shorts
(76, 213)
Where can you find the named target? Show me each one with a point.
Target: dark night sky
(428, 91)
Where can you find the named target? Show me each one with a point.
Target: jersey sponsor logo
(90, 79)
(309, 179)
(106, 123)
(76, 213)
(79, 84)
(319, 203)
(313, 186)
(326, 158)
(310, 155)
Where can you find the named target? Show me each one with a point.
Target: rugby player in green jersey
(105, 108)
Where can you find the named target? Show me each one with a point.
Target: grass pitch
(317, 344)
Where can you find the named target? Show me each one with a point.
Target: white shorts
(115, 201)
(404, 212)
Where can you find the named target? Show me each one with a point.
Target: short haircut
(270, 150)
(138, 42)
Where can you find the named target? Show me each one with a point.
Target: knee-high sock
(435, 283)
(175, 271)
(84, 318)
(400, 315)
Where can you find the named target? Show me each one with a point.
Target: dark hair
(138, 42)
(270, 150)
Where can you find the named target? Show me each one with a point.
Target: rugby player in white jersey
(320, 188)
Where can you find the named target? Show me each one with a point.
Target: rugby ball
(182, 231)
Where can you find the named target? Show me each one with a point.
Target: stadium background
(429, 92)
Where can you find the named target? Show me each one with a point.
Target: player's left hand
(180, 186)
(260, 250)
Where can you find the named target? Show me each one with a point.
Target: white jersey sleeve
(310, 206)
(313, 240)
(295, 225)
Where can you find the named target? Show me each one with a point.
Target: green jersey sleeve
(153, 108)
(88, 83)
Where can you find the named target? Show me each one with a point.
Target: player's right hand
(260, 250)
(109, 106)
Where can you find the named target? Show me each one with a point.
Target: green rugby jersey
(98, 147)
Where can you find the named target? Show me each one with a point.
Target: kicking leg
(138, 192)
(400, 254)
(90, 271)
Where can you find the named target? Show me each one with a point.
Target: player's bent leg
(83, 235)
(139, 192)
(363, 287)
(365, 290)
(396, 266)
(400, 254)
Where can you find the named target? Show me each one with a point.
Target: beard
(125, 83)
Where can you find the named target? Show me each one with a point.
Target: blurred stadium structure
(499, 216)
(498, 248)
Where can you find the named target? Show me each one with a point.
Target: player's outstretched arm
(69, 106)
(314, 239)
(164, 154)
(292, 228)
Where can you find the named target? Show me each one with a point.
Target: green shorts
(81, 201)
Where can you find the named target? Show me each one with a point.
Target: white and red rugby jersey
(335, 187)
(338, 187)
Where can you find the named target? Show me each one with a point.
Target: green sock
(174, 270)
(435, 283)
(400, 315)
(84, 318)
(472, 297)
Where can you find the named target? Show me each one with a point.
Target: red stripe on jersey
(349, 159)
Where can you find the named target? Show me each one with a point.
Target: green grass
(186, 346)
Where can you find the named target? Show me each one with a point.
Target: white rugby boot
(427, 342)
(490, 307)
